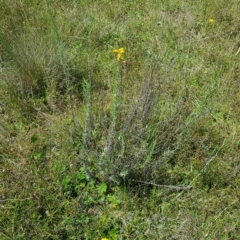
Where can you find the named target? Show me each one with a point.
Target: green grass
(146, 147)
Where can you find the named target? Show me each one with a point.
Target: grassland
(141, 147)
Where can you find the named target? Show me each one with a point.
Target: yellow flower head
(211, 20)
(104, 239)
(119, 53)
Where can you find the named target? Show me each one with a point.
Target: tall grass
(145, 146)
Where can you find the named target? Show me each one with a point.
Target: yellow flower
(119, 53)
(104, 239)
(211, 20)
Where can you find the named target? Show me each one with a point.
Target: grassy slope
(168, 115)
